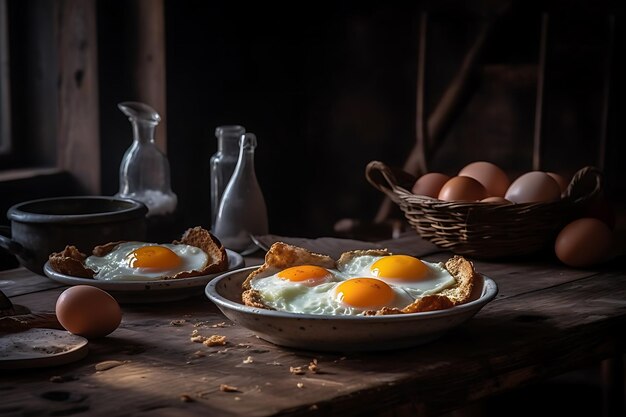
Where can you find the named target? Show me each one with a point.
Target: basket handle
(380, 176)
(585, 184)
(385, 178)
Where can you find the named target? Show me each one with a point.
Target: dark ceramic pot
(41, 227)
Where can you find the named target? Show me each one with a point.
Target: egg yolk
(364, 293)
(153, 257)
(305, 274)
(402, 267)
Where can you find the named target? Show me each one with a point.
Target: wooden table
(546, 320)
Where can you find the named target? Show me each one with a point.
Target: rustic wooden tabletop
(546, 320)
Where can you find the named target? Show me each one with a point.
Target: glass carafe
(242, 210)
(223, 162)
(145, 172)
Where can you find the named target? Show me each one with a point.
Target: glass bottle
(222, 163)
(242, 210)
(145, 170)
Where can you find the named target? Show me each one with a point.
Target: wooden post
(78, 128)
(541, 75)
(149, 65)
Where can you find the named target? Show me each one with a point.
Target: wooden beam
(149, 66)
(78, 129)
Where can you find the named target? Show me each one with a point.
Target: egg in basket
(483, 226)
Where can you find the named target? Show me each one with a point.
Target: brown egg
(491, 176)
(563, 183)
(495, 199)
(583, 242)
(461, 188)
(430, 184)
(533, 187)
(88, 311)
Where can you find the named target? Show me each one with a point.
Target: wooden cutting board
(34, 348)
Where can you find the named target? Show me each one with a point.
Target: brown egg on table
(563, 183)
(430, 184)
(583, 242)
(533, 187)
(491, 176)
(88, 311)
(462, 188)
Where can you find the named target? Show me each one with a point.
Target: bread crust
(71, 261)
(282, 255)
(211, 245)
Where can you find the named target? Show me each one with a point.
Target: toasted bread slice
(70, 261)
(211, 245)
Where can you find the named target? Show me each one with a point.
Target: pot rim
(134, 210)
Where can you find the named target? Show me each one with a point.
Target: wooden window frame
(67, 103)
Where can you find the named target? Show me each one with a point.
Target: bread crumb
(228, 388)
(196, 337)
(186, 398)
(178, 322)
(249, 359)
(214, 340)
(297, 370)
(300, 385)
(313, 366)
(222, 324)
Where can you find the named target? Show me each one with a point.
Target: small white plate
(342, 333)
(35, 348)
(147, 291)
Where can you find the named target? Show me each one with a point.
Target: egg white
(114, 266)
(284, 295)
(437, 278)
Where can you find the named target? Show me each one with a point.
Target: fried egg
(413, 275)
(358, 284)
(140, 261)
(312, 289)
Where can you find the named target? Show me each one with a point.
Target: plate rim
(140, 286)
(490, 291)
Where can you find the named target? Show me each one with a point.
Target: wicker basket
(485, 230)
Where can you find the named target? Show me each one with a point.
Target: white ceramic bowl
(341, 333)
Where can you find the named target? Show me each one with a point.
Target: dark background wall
(328, 87)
